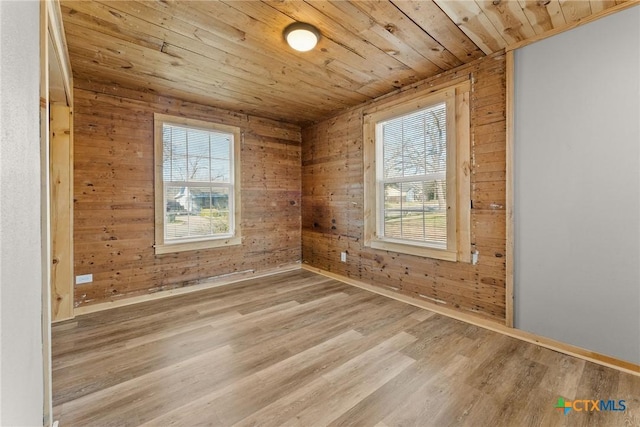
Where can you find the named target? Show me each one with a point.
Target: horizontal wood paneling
(332, 201)
(113, 196)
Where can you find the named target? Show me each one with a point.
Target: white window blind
(197, 174)
(413, 182)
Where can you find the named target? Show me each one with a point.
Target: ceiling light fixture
(301, 37)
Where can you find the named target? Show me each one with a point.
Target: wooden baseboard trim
(54, 321)
(213, 283)
(551, 344)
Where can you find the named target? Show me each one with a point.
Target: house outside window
(197, 177)
(417, 177)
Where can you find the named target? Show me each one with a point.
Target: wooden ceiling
(232, 54)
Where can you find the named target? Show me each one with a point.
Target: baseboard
(591, 356)
(213, 283)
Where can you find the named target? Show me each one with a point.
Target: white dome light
(301, 37)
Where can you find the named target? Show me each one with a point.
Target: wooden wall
(332, 201)
(114, 204)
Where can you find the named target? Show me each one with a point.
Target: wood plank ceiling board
(508, 18)
(543, 16)
(472, 20)
(232, 54)
(357, 55)
(574, 10)
(435, 22)
(257, 36)
(600, 5)
(204, 43)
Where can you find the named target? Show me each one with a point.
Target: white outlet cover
(85, 278)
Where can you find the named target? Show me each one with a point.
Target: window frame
(456, 96)
(235, 238)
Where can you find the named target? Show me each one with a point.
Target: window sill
(408, 249)
(195, 246)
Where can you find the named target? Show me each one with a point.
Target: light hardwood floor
(300, 349)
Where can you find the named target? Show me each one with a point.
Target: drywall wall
(333, 197)
(114, 196)
(577, 186)
(21, 372)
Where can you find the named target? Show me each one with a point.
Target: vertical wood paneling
(114, 210)
(333, 198)
(61, 176)
(509, 196)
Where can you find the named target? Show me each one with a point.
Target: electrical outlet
(474, 257)
(85, 278)
(343, 256)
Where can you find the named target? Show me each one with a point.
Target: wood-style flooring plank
(299, 349)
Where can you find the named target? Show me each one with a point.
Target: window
(417, 184)
(197, 176)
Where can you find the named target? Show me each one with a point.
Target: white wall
(577, 186)
(21, 367)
